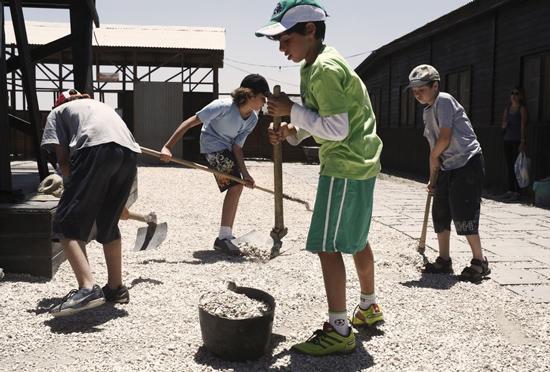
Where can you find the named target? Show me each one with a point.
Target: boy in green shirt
(337, 112)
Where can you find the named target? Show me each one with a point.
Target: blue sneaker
(78, 300)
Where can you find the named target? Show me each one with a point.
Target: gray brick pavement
(516, 238)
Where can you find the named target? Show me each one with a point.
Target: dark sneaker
(440, 266)
(119, 295)
(476, 271)
(78, 300)
(225, 246)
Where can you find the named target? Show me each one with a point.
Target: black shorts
(95, 192)
(458, 198)
(224, 161)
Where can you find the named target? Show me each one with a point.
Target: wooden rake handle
(191, 164)
(424, 232)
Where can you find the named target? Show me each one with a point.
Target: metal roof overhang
(166, 57)
(170, 46)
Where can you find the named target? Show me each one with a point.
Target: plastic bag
(521, 169)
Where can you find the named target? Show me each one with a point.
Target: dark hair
(521, 95)
(241, 95)
(300, 28)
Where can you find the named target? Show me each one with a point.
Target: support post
(5, 170)
(29, 84)
(81, 31)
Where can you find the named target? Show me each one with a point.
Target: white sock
(225, 233)
(366, 300)
(339, 321)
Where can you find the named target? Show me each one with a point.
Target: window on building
(407, 112)
(536, 82)
(458, 85)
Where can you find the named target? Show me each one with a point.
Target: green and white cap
(288, 13)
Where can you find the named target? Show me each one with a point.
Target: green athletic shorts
(342, 215)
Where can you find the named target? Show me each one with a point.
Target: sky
(354, 27)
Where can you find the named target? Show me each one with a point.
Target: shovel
(149, 237)
(191, 164)
(279, 230)
(422, 241)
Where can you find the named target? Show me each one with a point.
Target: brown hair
(241, 95)
(521, 95)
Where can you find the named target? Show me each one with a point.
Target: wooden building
(481, 50)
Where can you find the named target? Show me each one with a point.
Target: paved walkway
(516, 238)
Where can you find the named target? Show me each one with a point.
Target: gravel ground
(430, 324)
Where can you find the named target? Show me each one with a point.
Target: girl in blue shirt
(225, 125)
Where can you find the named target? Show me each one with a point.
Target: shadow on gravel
(44, 305)
(287, 360)
(26, 278)
(201, 257)
(206, 358)
(86, 321)
(434, 281)
(141, 280)
(367, 333)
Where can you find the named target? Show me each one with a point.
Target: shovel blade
(150, 237)
(255, 239)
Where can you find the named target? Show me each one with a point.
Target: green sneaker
(327, 341)
(368, 317)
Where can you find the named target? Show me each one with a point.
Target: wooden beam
(5, 169)
(81, 31)
(40, 52)
(93, 12)
(29, 86)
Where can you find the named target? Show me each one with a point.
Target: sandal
(440, 266)
(476, 271)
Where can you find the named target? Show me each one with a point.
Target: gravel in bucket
(231, 305)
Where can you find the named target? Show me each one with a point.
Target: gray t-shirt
(85, 123)
(446, 112)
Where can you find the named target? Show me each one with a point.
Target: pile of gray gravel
(231, 305)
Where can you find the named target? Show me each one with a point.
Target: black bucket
(239, 339)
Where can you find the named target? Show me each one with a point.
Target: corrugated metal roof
(131, 36)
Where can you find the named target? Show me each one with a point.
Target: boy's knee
(238, 188)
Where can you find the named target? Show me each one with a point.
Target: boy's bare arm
(62, 154)
(166, 151)
(441, 145)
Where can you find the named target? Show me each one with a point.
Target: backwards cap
(65, 96)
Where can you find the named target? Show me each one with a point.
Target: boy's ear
(311, 29)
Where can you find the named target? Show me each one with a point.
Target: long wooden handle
(424, 232)
(278, 171)
(191, 164)
(149, 218)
